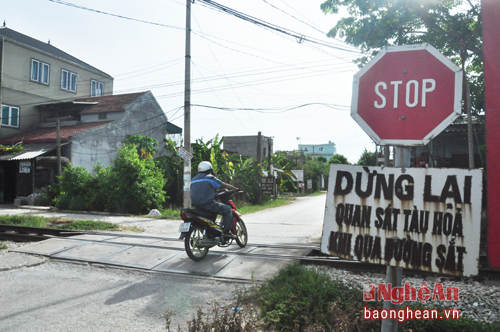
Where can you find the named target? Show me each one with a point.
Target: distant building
(319, 150)
(247, 145)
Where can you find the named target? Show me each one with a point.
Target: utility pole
(187, 108)
(259, 162)
(58, 149)
(467, 104)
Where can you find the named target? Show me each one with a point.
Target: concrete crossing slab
(168, 244)
(91, 252)
(209, 266)
(258, 268)
(140, 257)
(281, 251)
(48, 247)
(233, 249)
(94, 237)
(133, 240)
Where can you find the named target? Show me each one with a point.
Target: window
(103, 116)
(40, 71)
(68, 81)
(10, 116)
(96, 89)
(320, 149)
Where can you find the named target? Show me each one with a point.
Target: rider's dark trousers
(222, 209)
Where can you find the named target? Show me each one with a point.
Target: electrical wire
(270, 26)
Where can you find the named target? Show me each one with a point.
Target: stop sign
(406, 95)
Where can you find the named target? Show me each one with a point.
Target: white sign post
(185, 154)
(299, 174)
(423, 219)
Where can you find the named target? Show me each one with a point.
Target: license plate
(184, 227)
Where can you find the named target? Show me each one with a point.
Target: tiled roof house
(60, 87)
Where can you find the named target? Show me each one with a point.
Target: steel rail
(314, 255)
(32, 234)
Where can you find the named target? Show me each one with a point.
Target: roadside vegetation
(61, 223)
(306, 299)
(139, 180)
(243, 207)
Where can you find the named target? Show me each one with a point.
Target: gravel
(476, 300)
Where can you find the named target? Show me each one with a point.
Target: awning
(173, 129)
(28, 155)
(30, 151)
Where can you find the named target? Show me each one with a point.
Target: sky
(245, 78)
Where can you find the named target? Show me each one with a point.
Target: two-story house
(41, 85)
(33, 73)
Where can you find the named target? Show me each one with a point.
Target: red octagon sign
(406, 95)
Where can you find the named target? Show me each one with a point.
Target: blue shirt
(203, 189)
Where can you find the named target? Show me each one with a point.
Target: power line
(115, 15)
(270, 26)
(298, 19)
(276, 110)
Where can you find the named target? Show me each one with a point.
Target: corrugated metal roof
(31, 151)
(28, 155)
(45, 47)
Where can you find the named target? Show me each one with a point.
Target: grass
(317, 193)
(300, 298)
(54, 222)
(306, 299)
(173, 213)
(247, 209)
(3, 246)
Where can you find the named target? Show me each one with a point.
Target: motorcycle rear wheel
(241, 234)
(191, 241)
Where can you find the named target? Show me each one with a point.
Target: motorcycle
(202, 230)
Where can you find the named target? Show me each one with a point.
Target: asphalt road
(50, 295)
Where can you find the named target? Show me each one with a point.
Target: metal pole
(470, 134)
(259, 162)
(58, 150)
(467, 106)
(187, 108)
(394, 274)
(386, 155)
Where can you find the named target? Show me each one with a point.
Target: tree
(314, 168)
(146, 146)
(338, 159)
(135, 184)
(452, 26)
(368, 158)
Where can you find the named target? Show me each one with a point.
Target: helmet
(204, 166)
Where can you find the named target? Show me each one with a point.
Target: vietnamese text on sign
(426, 219)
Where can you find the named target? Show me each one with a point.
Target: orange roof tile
(49, 135)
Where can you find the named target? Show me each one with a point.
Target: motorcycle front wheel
(241, 234)
(191, 244)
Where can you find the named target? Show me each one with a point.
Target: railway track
(32, 234)
(313, 256)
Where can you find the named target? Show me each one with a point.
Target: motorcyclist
(203, 189)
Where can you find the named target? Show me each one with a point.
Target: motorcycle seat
(202, 213)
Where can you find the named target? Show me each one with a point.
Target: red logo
(369, 292)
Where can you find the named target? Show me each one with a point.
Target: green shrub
(74, 186)
(134, 184)
(299, 298)
(131, 185)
